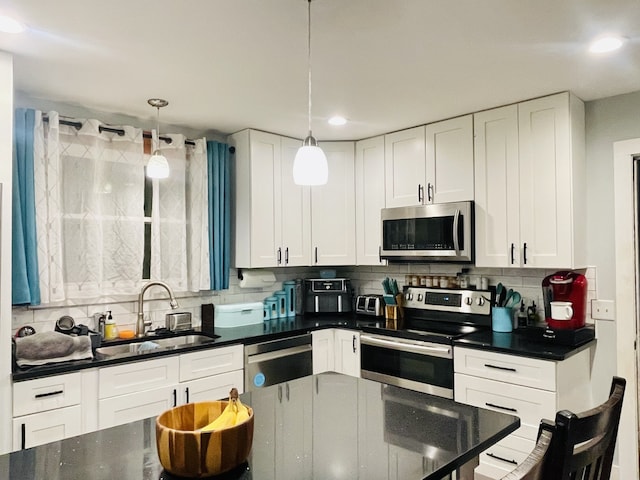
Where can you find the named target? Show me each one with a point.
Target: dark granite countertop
(521, 343)
(333, 426)
(513, 343)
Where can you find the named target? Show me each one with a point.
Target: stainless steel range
(420, 356)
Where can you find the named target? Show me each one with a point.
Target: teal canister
(501, 319)
(272, 305)
(266, 311)
(281, 297)
(289, 288)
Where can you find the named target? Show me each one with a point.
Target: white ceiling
(225, 65)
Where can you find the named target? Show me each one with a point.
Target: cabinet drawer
(45, 427)
(211, 388)
(529, 372)
(529, 404)
(205, 363)
(507, 455)
(46, 394)
(138, 376)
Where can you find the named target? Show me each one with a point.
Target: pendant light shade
(158, 167)
(310, 164)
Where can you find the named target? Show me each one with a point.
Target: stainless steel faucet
(140, 322)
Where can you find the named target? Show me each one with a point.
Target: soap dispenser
(110, 329)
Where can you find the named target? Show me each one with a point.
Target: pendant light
(310, 164)
(158, 167)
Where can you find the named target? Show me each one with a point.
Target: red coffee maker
(566, 286)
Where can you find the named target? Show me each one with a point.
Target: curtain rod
(118, 131)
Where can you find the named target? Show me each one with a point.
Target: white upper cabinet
(405, 167)
(449, 149)
(272, 214)
(430, 164)
(370, 199)
(333, 209)
(530, 181)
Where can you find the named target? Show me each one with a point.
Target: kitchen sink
(153, 344)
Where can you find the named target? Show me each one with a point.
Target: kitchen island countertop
(334, 426)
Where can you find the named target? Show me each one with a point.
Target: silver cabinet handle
(407, 346)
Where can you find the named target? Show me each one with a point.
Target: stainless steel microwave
(435, 232)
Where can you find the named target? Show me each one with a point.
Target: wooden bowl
(187, 452)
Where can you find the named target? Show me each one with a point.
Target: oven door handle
(422, 349)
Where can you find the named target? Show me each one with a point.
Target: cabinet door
(136, 406)
(40, 428)
(546, 230)
(333, 227)
(449, 160)
(294, 449)
(46, 393)
(216, 387)
(335, 396)
(265, 199)
(405, 167)
(347, 351)
(496, 188)
(295, 214)
(323, 357)
(370, 199)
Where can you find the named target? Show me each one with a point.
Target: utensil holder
(502, 319)
(393, 317)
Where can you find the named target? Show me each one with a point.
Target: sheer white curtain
(179, 225)
(89, 215)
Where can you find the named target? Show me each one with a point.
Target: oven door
(422, 366)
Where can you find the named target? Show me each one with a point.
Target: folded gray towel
(51, 347)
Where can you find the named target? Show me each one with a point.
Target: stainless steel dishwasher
(277, 361)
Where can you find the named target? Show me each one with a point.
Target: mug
(561, 310)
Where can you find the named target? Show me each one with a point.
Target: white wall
(6, 162)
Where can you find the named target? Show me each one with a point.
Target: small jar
(415, 281)
(407, 279)
(423, 280)
(463, 281)
(444, 282)
(428, 281)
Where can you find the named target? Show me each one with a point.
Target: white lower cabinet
(336, 350)
(284, 438)
(529, 388)
(52, 408)
(332, 448)
(143, 389)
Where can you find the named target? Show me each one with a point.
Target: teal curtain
(218, 169)
(25, 286)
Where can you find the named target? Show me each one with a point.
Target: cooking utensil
(499, 294)
(513, 300)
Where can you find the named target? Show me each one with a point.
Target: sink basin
(151, 344)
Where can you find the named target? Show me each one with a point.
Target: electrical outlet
(603, 309)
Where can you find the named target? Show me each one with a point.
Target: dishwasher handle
(285, 352)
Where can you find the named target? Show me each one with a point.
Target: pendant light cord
(157, 129)
(309, 59)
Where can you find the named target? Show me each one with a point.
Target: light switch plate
(603, 309)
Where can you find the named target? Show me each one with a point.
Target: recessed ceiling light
(337, 120)
(10, 25)
(606, 44)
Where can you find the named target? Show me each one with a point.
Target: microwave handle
(456, 240)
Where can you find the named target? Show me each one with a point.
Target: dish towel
(51, 347)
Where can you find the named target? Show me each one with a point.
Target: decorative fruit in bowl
(204, 438)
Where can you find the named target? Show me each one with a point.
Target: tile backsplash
(363, 279)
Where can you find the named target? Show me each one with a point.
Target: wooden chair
(533, 467)
(580, 446)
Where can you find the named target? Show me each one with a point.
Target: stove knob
(419, 297)
(468, 300)
(480, 301)
(408, 296)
